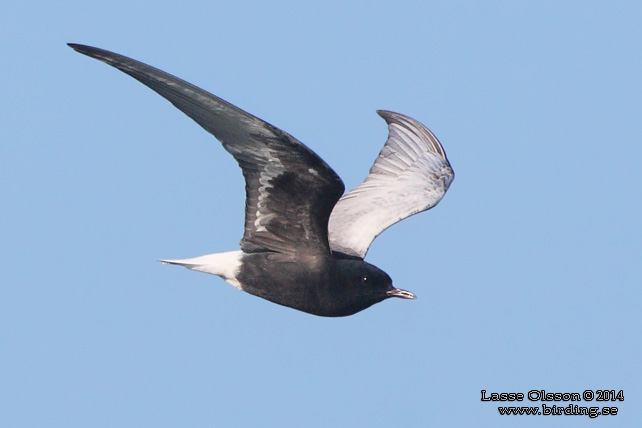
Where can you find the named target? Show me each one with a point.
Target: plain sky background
(528, 273)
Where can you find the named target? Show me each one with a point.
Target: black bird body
(303, 243)
(327, 286)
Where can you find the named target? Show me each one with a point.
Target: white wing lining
(411, 175)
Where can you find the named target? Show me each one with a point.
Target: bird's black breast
(313, 284)
(297, 282)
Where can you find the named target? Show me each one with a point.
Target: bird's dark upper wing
(290, 190)
(410, 175)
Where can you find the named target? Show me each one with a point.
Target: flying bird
(304, 241)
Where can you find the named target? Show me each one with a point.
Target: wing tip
(387, 115)
(417, 128)
(84, 49)
(394, 117)
(103, 55)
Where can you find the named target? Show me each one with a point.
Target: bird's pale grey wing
(290, 190)
(410, 175)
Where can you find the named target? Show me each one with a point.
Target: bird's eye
(366, 280)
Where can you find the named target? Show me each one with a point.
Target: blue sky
(528, 273)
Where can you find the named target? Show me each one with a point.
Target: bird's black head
(361, 285)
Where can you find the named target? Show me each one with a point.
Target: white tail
(226, 265)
